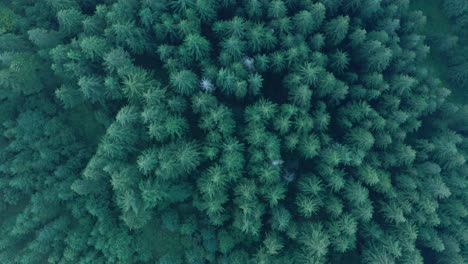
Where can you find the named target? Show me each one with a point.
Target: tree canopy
(226, 131)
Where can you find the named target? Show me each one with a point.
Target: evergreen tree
(184, 82)
(137, 82)
(195, 46)
(70, 20)
(337, 29)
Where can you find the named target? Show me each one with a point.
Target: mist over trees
(229, 131)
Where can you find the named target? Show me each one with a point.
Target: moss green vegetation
(7, 19)
(439, 25)
(233, 131)
(444, 29)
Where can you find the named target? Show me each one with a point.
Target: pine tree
(334, 206)
(206, 9)
(339, 61)
(154, 192)
(310, 185)
(403, 84)
(280, 218)
(305, 22)
(357, 37)
(43, 38)
(300, 95)
(356, 193)
(147, 161)
(317, 42)
(307, 205)
(187, 155)
(181, 6)
(310, 74)
(69, 96)
(184, 82)
(118, 60)
(128, 35)
(377, 55)
(226, 241)
(337, 29)
(233, 50)
(93, 47)
(195, 46)
(392, 212)
(136, 83)
(235, 27)
(360, 139)
(70, 20)
(368, 175)
(275, 193)
(314, 242)
(277, 9)
(273, 243)
(321, 120)
(455, 8)
(92, 88)
(310, 146)
(370, 7)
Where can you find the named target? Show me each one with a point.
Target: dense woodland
(232, 132)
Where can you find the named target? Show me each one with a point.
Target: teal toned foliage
(196, 47)
(117, 60)
(137, 82)
(184, 82)
(70, 20)
(91, 87)
(360, 139)
(305, 22)
(309, 146)
(277, 9)
(336, 29)
(93, 47)
(43, 38)
(222, 131)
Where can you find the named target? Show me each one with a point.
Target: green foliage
(280, 218)
(117, 60)
(184, 82)
(307, 206)
(376, 55)
(305, 22)
(128, 35)
(360, 139)
(309, 146)
(91, 87)
(93, 47)
(177, 159)
(273, 244)
(137, 82)
(336, 29)
(195, 46)
(69, 96)
(70, 21)
(222, 131)
(43, 39)
(7, 20)
(339, 61)
(455, 8)
(314, 243)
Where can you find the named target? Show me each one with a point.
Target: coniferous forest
(234, 131)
